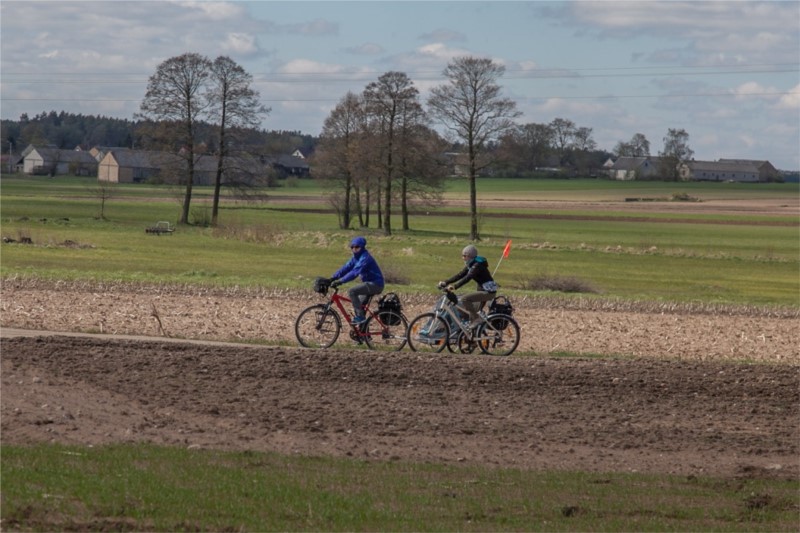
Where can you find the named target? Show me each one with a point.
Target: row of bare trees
(376, 149)
(189, 89)
(379, 148)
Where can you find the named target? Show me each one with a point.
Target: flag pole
(505, 254)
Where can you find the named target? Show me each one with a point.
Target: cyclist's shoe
(358, 320)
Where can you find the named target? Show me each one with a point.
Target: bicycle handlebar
(451, 296)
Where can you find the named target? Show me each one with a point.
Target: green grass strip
(144, 487)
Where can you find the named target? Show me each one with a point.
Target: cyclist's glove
(335, 284)
(442, 285)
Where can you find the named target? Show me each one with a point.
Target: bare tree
(338, 154)
(583, 145)
(174, 95)
(422, 168)
(563, 137)
(390, 100)
(103, 191)
(526, 147)
(638, 146)
(583, 140)
(676, 151)
(233, 104)
(470, 106)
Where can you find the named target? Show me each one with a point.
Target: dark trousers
(359, 294)
(472, 302)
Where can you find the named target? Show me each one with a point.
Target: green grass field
(147, 488)
(272, 242)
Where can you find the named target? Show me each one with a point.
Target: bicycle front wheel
(317, 327)
(499, 335)
(427, 333)
(387, 332)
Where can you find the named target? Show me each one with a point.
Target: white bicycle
(445, 326)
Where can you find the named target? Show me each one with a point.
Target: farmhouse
(123, 165)
(50, 161)
(740, 170)
(719, 171)
(288, 165)
(766, 171)
(631, 168)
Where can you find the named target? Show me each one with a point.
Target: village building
(50, 161)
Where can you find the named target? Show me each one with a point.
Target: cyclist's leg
(359, 293)
(472, 302)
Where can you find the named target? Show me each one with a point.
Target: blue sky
(727, 72)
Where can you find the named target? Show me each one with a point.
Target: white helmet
(470, 252)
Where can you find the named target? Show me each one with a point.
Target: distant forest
(67, 130)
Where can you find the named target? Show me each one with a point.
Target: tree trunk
(220, 162)
(404, 202)
(473, 196)
(187, 199)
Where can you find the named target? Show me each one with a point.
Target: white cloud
(706, 140)
(241, 43)
(713, 32)
(52, 54)
(213, 10)
(563, 107)
(308, 66)
(668, 17)
(747, 140)
(753, 89)
(790, 100)
(440, 51)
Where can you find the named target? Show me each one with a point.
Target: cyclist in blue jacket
(364, 265)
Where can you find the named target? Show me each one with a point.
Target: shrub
(393, 277)
(256, 233)
(558, 284)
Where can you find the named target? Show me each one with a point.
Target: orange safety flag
(508, 249)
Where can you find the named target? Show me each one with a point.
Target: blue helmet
(359, 241)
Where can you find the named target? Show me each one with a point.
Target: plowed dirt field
(691, 393)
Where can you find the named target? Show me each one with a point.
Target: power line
(524, 98)
(428, 75)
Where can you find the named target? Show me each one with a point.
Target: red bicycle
(318, 326)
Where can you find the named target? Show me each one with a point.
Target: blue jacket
(361, 264)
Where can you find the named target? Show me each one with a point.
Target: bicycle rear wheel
(317, 326)
(499, 335)
(427, 333)
(387, 332)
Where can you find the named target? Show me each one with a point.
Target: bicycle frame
(446, 306)
(338, 299)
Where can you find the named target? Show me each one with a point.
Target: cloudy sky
(728, 72)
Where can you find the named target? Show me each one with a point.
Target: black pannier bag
(321, 285)
(501, 305)
(389, 309)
